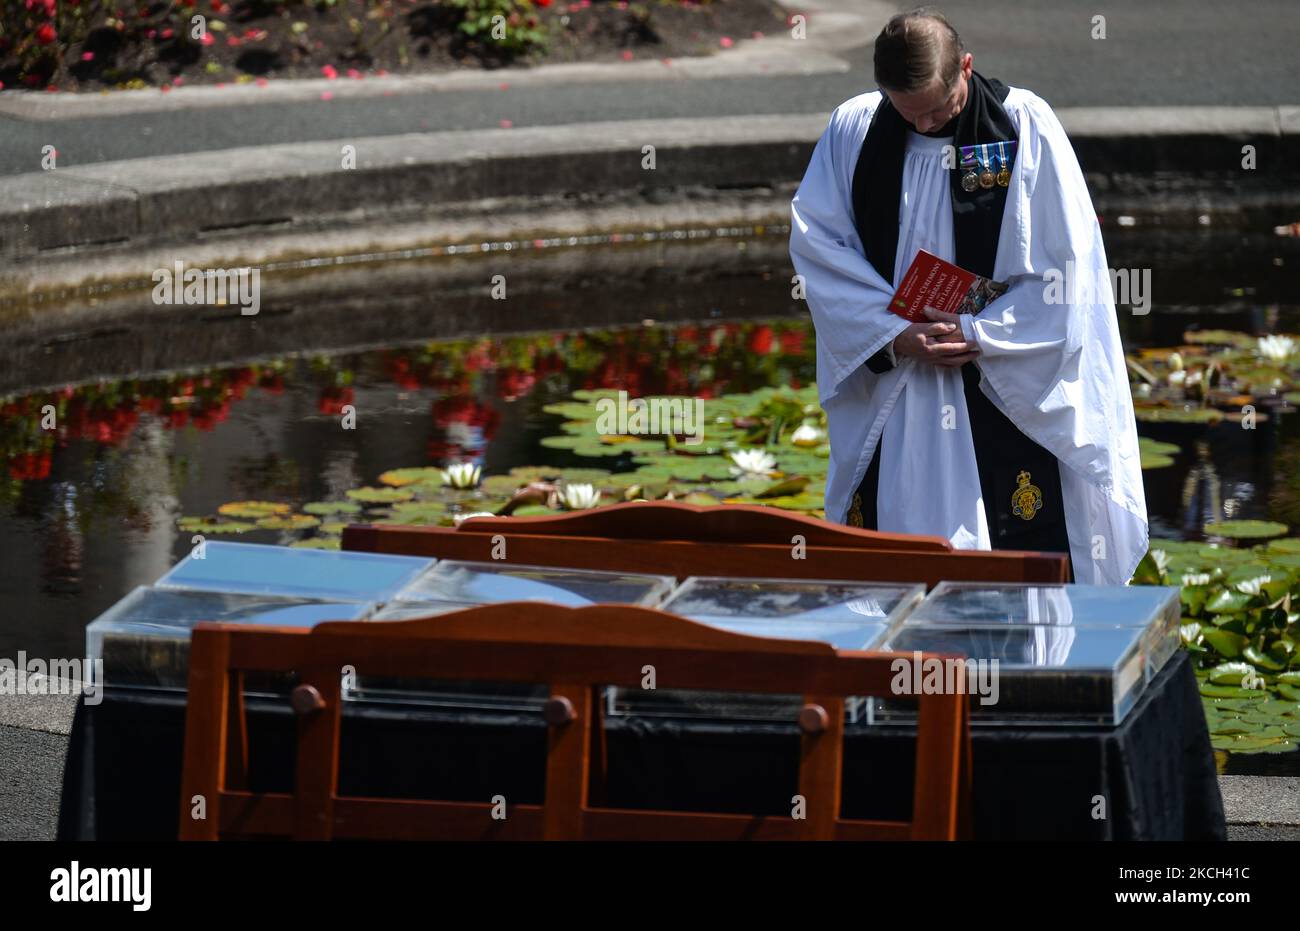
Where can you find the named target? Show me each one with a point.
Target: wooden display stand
(576, 651)
(671, 538)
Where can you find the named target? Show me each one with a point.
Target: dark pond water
(90, 510)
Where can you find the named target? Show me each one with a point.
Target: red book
(932, 282)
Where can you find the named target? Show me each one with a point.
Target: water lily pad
(253, 510)
(1225, 555)
(1226, 642)
(318, 543)
(585, 476)
(322, 508)
(1221, 338)
(1157, 447)
(1231, 673)
(289, 522)
(533, 510)
(1232, 728)
(332, 527)
(1245, 529)
(1252, 743)
(380, 495)
(419, 512)
(1155, 461)
(688, 468)
(573, 410)
(701, 498)
(1228, 691)
(212, 526)
(400, 478)
(1205, 415)
(784, 488)
(527, 474)
(502, 484)
(1261, 660)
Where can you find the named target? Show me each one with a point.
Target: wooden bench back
(575, 651)
(672, 538)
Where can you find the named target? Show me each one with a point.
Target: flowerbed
(95, 44)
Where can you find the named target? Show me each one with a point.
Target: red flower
(46, 35)
(760, 340)
(792, 342)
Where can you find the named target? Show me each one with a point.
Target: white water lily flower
(1176, 361)
(1254, 586)
(807, 435)
(578, 497)
(1176, 379)
(1161, 559)
(460, 517)
(750, 463)
(1196, 578)
(461, 475)
(1277, 348)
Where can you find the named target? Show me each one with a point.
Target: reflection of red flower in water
(177, 418)
(273, 383)
(513, 384)
(208, 417)
(480, 358)
(30, 466)
(333, 399)
(399, 370)
(464, 409)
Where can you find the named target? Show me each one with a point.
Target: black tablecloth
(1152, 777)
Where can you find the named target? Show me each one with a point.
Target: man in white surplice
(1053, 366)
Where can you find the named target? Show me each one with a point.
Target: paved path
(1163, 53)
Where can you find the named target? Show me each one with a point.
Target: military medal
(1004, 176)
(969, 181)
(1027, 499)
(986, 178)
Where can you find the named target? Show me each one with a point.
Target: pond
(286, 446)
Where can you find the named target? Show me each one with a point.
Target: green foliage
(1240, 625)
(507, 26)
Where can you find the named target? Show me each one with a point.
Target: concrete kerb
(183, 196)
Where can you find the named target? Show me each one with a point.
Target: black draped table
(1151, 778)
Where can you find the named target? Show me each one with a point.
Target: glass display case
(846, 614)
(1044, 653)
(144, 639)
(489, 582)
(453, 585)
(300, 573)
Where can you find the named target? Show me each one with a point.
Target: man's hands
(940, 342)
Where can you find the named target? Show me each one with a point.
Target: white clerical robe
(1056, 369)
